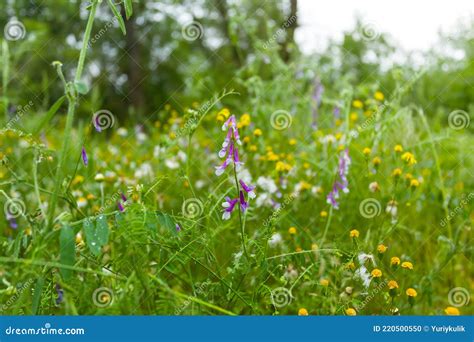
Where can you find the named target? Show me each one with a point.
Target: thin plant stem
(242, 232)
(72, 101)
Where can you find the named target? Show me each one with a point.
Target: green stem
(72, 101)
(328, 223)
(242, 232)
(5, 76)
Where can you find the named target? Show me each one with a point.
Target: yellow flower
(324, 282)
(298, 249)
(376, 161)
(306, 165)
(376, 273)
(452, 311)
(81, 202)
(314, 247)
(414, 183)
(253, 148)
(282, 166)
(223, 115)
(395, 261)
(257, 132)
(379, 96)
(246, 140)
(303, 312)
(382, 248)
(357, 104)
(304, 185)
(354, 233)
(90, 197)
(172, 135)
(244, 121)
(78, 179)
(79, 238)
(411, 292)
(398, 148)
(351, 312)
(392, 284)
(366, 151)
(292, 142)
(323, 213)
(354, 116)
(351, 265)
(407, 265)
(292, 230)
(409, 158)
(397, 172)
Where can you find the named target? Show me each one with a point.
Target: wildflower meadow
(185, 158)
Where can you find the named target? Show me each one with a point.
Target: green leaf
(102, 230)
(81, 87)
(91, 237)
(37, 295)
(166, 221)
(118, 16)
(67, 250)
(128, 8)
(49, 115)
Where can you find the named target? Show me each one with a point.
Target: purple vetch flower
(243, 204)
(337, 112)
(60, 293)
(120, 206)
(178, 227)
(84, 156)
(341, 183)
(11, 220)
(248, 189)
(228, 206)
(124, 199)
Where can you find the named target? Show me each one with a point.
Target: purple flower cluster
(341, 183)
(230, 152)
(11, 220)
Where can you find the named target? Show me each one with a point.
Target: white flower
(81, 202)
(144, 170)
(275, 240)
(122, 132)
(172, 163)
(267, 184)
(374, 186)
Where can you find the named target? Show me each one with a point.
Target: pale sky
(414, 24)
